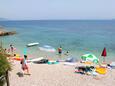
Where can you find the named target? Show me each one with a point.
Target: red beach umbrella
(104, 53)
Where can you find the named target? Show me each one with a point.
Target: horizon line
(51, 19)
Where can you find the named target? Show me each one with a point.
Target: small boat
(32, 44)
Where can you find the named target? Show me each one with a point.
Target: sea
(79, 37)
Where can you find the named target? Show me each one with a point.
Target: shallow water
(76, 36)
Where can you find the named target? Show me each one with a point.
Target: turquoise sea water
(76, 36)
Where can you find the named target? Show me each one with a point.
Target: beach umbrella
(104, 54)
(90, 57)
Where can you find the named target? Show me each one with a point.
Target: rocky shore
(3, 32)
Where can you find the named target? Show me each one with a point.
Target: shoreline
(34, 52)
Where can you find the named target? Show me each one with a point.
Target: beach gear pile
(91, 66)
(84, 69)
(91, 70)
(17, 57)
(42, 61)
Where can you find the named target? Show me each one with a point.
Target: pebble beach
(58, 75)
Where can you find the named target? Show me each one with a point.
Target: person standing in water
(60, 50)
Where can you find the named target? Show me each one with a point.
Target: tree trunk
(7, 78)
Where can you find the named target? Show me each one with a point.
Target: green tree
(5, 66)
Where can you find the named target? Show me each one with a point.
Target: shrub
(4, 66)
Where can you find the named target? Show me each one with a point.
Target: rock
(6, 33)
(3, 32)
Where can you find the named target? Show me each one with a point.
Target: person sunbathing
(84, 70)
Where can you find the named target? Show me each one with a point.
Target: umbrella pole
(103, 59)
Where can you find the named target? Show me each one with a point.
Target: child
(24, 65)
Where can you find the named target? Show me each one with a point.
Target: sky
(57, 9)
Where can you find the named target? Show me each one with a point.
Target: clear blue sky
(57, 9)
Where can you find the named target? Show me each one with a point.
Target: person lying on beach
(84, 70)
(24, 65)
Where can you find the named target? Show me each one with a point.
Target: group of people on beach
(23, 61)
(24, 65)
(10, 50)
